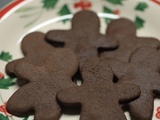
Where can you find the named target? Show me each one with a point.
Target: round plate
(21, 17)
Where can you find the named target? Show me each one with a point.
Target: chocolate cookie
(39, 95)
(98, 96)
(124, 31)
(35, 50)
(84, 36)
(142, 70)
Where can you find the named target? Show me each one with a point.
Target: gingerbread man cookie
(84, 36)
(124, 31)
(39, 95)
(142, 70)
(35, 50)
(98, 96)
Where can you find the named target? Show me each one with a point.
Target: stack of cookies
(117, 69)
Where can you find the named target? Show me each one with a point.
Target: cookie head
(121, 27)
(34, 42)
(99, 70)
(86, 20)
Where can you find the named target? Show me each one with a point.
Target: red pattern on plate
(1, 75)
(83, 4)
(158, 113)
(156, 1)
(3, 110)
(117, 12)
(9, 7)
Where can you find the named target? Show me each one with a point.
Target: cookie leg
(87, 116)
(93, 111)
(142, 108)
(70, 96)
(48, 112)
(20, 103)
(88, 112)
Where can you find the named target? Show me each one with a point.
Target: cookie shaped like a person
(142, 70)
(84, 36)
(124, 31)
(98, 96)
(39, 95)
(35, 50)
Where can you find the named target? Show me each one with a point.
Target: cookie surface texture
(98, 96)
(39, 95)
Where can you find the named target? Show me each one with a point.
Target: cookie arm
(27, 71)
(157, 88)
(48, 111)
(10, 67)
(156, 85)
(105, 41)
(58, 36)
(142, 108)
(70, 96)
(127, 91)
(119, 68)
(151, 42)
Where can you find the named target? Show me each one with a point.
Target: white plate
(31, 15)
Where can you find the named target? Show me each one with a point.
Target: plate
(21, 17)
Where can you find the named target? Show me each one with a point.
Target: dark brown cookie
(84, 36)
(39, 94)
(142, 70)
(35, 50)
(124, 31)
(98, 96)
